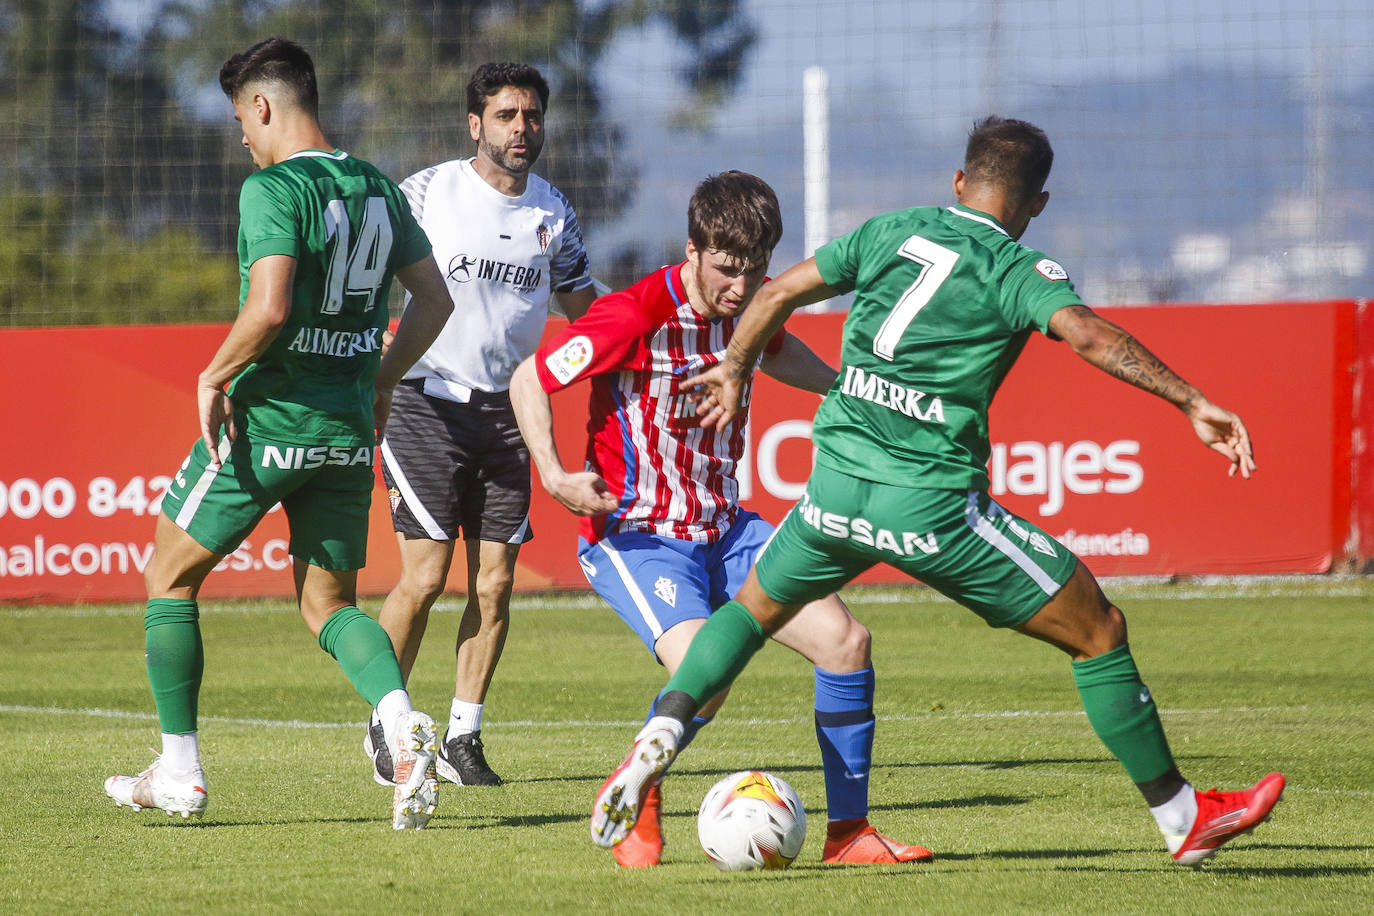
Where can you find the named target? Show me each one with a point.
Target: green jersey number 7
(936, 263)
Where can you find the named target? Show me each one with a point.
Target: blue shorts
(655, 582)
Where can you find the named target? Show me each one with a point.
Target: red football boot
(643, 845)
(1223, 816)
(856, 842)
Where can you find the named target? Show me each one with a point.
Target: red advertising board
(1118, 475)
(96, 418)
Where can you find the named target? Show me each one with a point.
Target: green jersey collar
(978, 217)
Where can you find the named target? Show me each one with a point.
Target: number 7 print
(936, 263)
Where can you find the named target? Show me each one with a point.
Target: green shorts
(961, 543)
(325, 490)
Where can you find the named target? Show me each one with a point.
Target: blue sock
(844, 730)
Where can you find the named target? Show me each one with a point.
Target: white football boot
(622, 794)
(412, 757)
(157, 787)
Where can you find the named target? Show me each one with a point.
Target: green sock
(719, 652)
(363, 651)
(176, 661)
(1123, 714)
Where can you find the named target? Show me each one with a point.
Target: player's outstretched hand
(216, 411)
(719, 394)
(584, 493)
(1223, 432)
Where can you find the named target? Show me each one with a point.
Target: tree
(119, 144)
(97, 223)
(392, 77)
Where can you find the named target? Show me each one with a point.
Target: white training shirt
(503, 258)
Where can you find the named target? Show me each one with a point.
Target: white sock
(181, 753)
(662, 723)
(1176, 816)
(390, 708)
(464, 718)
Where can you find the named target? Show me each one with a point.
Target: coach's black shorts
(453, 467)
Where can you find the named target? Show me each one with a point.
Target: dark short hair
(735, 212)
(1014, 155)
(275, 60)
(491, 78)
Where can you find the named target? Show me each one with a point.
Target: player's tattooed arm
(1117, 353)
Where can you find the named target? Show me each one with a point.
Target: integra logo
(462, 268)
(301, 458)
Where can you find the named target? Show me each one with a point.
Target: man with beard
(509, 245)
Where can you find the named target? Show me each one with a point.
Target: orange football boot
(856, 842)
(643, 845)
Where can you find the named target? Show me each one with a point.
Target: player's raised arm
(584, 492)
(724, 383)
(1116, 352)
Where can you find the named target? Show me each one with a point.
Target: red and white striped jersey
(672, 477)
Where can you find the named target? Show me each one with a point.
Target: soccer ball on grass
(750, 820)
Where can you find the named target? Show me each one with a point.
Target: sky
(1188, 133)
(1221, 98)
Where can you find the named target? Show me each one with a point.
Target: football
(751, 820)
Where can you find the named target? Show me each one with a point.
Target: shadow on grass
(1031, 854)
(441, 821)
(784, 770)
(1222, 866)
(1028, 762)
(1104, 760)
(1218, 869)
(1293, 871)
(222, 823)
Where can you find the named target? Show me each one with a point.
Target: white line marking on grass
(149, 716)
(1139, 588)
(627, 723)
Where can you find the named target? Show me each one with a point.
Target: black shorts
(452, 467)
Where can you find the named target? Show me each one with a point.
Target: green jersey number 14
(356, 269)
(936, 263)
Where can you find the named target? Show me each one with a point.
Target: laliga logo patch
(1051, 270)
(570, 359)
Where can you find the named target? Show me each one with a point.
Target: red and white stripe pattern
(673, 477)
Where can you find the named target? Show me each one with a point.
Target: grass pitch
(982, 753)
